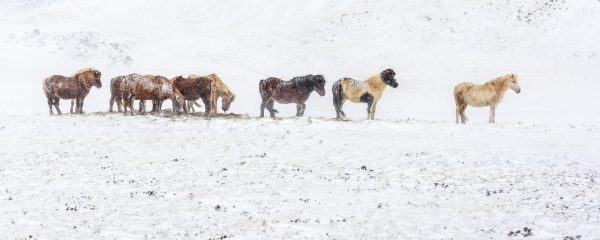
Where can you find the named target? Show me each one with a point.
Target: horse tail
(261, 88)
(458, 92)
(338, 94)
(213, 97)
(46, 86)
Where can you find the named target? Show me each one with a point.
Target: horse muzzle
(518, 90)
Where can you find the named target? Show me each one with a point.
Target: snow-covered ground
(105, 176)
(411, 174)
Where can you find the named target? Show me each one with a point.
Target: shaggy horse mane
(83, 70)
(503, 78)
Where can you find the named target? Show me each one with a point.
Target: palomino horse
(488, 94)
(369, 91)
(75, 87)
(154, 88)
(197, 87)
(295, 91)
(223, 92)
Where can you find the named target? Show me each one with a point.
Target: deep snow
(107, 176)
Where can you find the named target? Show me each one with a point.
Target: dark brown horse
(76, 87)
(154, 88)
(295, 91)
(198, 87)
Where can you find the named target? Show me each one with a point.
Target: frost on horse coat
(369, 91)
(295, 91)
(115, 93)
(154, 88)
(487, 94)
(76, 87)
(222, 91)
(197, 87)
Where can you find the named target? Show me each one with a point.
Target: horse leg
(370, 100)
(111, 103)
(56, 105)
(50, 104)
(463, 117)
(272, 111)
(142, 107)
(373, 109)
(338, 99)
(303, 108)
(298, 109)
(207, 107)
(457, 113)
(159, 106)
(492, 113)
(72, 103)
(79, 105)
(185, 106)
(131, 109)
(191, 106)
(263, 104)
(119, 104)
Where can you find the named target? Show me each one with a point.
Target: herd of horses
(183, 92)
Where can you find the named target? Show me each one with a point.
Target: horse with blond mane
(76, 87)
(487, 94)
(222, 91)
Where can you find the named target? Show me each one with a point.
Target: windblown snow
(411, 174)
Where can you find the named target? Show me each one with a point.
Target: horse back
(353, 89)
(115, 85)
(62, 87)
(195, 88)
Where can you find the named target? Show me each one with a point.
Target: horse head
(177, 101)
(388, 77)
(513, 83)
(97, 76)
(319, 84)
(226, 102)
(89, 77)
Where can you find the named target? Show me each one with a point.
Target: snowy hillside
(551, 45)
(411, 174)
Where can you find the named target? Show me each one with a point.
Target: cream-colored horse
(488, 94)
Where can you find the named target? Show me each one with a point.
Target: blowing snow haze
(412, 173)
(432, 45)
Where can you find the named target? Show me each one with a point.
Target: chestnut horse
(295, 91)
(487, 94)
(369, 91)
(115, 93)
(197, 87)
(223, 92)
(154, 88)
(75, 87)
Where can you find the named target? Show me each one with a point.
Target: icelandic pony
(154, 88)
(223, 92)
(197, 87)
(369, 92)
(76, 87)
(295, 91)
(115, 93)
(487, 94)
